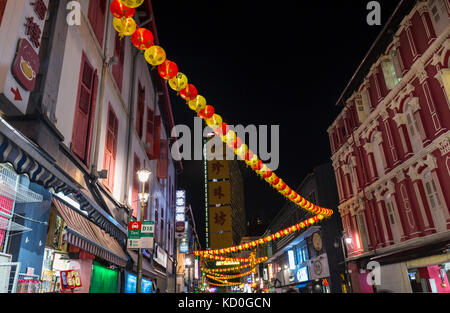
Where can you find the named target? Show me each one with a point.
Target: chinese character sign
(220, 219)
(219, 192)
(218, 169)
(221, 240)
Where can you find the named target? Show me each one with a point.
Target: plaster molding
(400, 119)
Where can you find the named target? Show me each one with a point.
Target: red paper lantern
(207, 112)
(119, 10)
(267, 174)
(222, 130)
(276, 181)
(189, 92)
(237, 143)
(142, 39)
(249, 155)
(168, 69)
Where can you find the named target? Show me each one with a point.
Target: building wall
(390, 144)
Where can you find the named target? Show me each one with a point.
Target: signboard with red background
(21, 32)
(70, 279)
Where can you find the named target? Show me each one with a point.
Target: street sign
(140, 235)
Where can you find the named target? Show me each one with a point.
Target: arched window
(413, 129)
(390, 73)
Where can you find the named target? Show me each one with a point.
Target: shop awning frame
(84, 234)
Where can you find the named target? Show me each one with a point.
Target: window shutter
(135, 185)
(2, 9)
(96, 16)
(119, 52)
(157, 138)
(84, 111)
(162, 161)
(149, 132)
(110, 148)
(140, 110)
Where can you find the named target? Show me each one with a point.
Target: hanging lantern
(197, 104)
(168, 69)
(178, 82)
(214, 122)
(189, 92)
(132, 3)
(242, 151)
(222, 130)
(237, 143)
(276, 181)
(155, 55)
(119, 10)
(124, 26)
(207, 112)
(142, 39)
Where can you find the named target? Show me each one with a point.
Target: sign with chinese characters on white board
(21, 32)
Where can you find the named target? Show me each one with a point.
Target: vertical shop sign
(20, 50)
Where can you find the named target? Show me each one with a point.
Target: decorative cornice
(400, 119)
(444, 145)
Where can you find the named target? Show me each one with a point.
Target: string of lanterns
(213, 254)
(224, 284)
(224, 276)
(143, 39)
(235, 268)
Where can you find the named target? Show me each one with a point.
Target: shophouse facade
(390, 152)
(82, 112)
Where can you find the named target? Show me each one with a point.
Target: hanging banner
(219, 192)
(221, 240)
(218, 169)
(70, 279)
(219, 219)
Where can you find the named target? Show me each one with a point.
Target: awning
(29, 159)
(147, 268)
(97, 215)
(87, 236)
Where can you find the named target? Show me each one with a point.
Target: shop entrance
(430, 279)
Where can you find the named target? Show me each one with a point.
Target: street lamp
(143, 176)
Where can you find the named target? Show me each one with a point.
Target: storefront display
(130, 284)
(103, 279)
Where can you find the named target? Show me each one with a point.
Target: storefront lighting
(291, 259)
(187, 262)
(285, 267)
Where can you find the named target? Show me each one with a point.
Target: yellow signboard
(219, 219)
(218, 169)
(219, 241)
(219, 192)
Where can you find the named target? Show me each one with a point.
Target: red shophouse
(391, 154)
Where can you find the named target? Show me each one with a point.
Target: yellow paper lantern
(179, 82)
(155, 55)
(230, 137)
(242, 151)
(124, 26)
(214, 121)
(132, 3)
(198, 104)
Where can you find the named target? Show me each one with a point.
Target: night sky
(266, 63)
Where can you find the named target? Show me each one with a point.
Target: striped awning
(25, 164)
(89, 237)
(99, 217)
